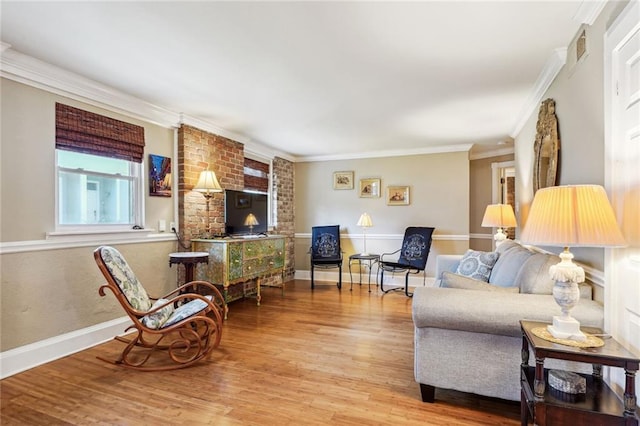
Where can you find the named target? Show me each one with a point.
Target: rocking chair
(183, 324)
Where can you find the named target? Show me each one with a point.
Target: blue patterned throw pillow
(477, 264)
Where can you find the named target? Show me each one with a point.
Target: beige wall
(579, 96)
(51, 292)
(47, 292)
(439, 197)
(28, 161)
(480, 196)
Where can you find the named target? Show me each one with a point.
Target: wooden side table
(189, 259)
(599, 405)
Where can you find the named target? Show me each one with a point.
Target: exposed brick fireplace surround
(199, 150)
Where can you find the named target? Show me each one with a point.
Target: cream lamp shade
(499, 216)
(251, 221)
(365, 222)
(207, 183)
(570, 216)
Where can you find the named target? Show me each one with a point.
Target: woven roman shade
(83, 131)
(256, 175)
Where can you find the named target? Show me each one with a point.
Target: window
(99, 171)
(95, 190)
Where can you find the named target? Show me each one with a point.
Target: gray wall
(579, 96)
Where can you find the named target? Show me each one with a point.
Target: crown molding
(493, 153)
(33, 72)
(249, 145)
(36, 73)
(551, 69)
(389, 153)
(589, 10)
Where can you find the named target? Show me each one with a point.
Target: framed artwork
(159, 176)
(243, 201)
(370, 188)
(397, 195)
(342, 180)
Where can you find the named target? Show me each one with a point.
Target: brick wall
(283, 178)
(199, 150)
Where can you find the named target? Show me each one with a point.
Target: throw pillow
(450, 280)
(158, 318)
(477, 264)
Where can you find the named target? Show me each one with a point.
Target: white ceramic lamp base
(499, 237)
(566, 328)
(566, 294)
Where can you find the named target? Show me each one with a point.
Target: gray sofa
(467, 333)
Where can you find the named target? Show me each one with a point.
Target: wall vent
(578, 49)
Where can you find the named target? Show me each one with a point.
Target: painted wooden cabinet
(239, 260)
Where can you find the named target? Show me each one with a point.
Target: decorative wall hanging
(370, 188)
(342, 180)
(397, 195)
(159, 176)
(546, 147)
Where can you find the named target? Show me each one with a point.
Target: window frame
(138, 187)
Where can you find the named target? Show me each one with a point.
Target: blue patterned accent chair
(411, 258)
(325, 250)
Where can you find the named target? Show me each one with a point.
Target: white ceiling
(311, 79)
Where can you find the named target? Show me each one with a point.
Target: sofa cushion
(492, 312)
(509, 262)
(534, 275)
(451, 280)
(477, 264)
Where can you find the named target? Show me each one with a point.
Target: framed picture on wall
(342, 180)
(370, 188)
(159, 176)
(243, 201)
(397, 195)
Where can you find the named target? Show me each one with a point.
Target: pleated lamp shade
(572, 216)
(499, 216)
(207, 183)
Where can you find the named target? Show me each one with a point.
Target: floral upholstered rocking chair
(183, 324)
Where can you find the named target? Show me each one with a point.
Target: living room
(68, 315)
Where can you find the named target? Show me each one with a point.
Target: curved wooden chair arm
(193, 287)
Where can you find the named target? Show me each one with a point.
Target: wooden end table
(600, 405)
(189, 259)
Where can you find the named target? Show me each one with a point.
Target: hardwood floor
(308, 358)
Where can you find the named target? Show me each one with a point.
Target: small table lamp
(251, 221)
(499, 216)
(365, 222)
(576, 216)
(208, 185)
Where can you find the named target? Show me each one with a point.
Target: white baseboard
(25, 357)
(321, 278)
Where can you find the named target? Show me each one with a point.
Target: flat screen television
(237, 205)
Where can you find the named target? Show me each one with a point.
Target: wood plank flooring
(308, 358)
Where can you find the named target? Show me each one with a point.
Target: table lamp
(570, 216)
(499, 216)
(365, 222)
(208, 185)
(251, 221)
